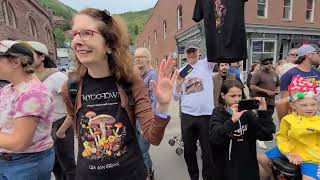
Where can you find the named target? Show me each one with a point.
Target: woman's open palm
(167, 75)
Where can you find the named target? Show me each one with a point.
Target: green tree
(59, 37)
(136, 29)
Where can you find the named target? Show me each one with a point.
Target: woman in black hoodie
(233, 135)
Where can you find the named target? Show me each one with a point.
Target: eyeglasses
(84, 34)
(140, 57)
(267, 63)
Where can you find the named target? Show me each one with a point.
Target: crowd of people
(117, 106)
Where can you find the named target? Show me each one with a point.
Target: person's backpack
(73, 89)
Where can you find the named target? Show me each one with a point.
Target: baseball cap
(316, 47)
(37, 46)
(41, 48)
(305, 49)
(14, 48)
(192, 45)
(266, 60)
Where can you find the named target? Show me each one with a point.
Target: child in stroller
(298, 138)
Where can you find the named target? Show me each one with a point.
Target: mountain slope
(58, 8)
(136, 21)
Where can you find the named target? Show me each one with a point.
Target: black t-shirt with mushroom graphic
(107, 143)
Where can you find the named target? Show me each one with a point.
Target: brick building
(273, 27)
(27, 20)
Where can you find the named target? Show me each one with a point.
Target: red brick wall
(166, 10)
(275, 11)
(23, 9)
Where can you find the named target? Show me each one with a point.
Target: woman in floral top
(25, 117)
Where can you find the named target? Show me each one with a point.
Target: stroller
(177, 140)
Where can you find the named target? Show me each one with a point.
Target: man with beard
(308, 57)
(265, 83)
(222, 75)
(45, 69)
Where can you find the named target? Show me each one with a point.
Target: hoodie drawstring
(230, 143)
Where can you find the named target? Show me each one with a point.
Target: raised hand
(235, 113)
(163, 87)
(262, 103)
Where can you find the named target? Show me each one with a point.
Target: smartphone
(248, 104)
(186, 70)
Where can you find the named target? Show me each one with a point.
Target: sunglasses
(293, 54)
(267, 63)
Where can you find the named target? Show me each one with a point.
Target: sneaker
(262, 145)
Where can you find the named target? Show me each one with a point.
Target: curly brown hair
(26, 62)
(114, 31)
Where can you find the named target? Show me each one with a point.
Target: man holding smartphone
(194, 90)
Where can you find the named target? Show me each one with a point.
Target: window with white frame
(155, 36)
(287, 9)
(262, 49)
(179, 17)
(310, 10)
(262, 8)
(164, 29)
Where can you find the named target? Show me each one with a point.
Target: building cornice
(257, 28)
(191, 31)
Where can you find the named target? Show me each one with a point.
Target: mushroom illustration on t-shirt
(107, 136)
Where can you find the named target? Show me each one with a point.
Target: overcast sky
(114, 6)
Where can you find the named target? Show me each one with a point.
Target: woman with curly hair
(110, 96)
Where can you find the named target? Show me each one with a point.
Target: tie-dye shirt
(27, 99)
